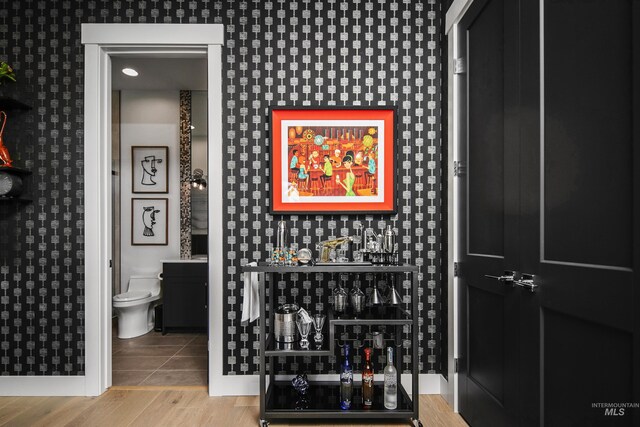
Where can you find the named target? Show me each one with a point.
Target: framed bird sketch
(149, 222)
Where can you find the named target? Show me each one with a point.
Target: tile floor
(175, 359)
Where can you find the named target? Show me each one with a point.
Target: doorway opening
(104, 44)
(160, 221)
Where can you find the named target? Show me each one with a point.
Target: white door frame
(456, 126)
(101, 41)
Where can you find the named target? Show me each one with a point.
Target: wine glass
(318, 323)
(304, 328)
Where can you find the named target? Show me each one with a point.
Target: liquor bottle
(346, 380)
(367, 379)
(390, 382)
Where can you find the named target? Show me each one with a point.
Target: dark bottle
(367, 379)
(346, 380)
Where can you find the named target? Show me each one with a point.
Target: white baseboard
(444, 385)
(42, 386)
(249, 385)
(236, 385)
(228, 385)
(431, 383)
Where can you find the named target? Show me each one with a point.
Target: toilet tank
(144, 283)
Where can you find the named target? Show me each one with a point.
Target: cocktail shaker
(389, 242)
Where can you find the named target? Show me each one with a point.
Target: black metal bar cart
(278, 398)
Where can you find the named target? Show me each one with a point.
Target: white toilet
(135, 308)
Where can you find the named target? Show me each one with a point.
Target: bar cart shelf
(278, 399)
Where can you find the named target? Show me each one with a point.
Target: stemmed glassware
(304, 328)
(318, 323)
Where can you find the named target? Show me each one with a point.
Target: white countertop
(171, 261)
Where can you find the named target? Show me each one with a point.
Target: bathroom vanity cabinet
(184, 295)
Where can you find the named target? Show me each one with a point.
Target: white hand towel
(251, 298)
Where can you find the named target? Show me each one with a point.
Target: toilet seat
(132, 296)
(136, 308)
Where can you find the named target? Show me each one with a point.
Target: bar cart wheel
(416, 423)
(265, 423)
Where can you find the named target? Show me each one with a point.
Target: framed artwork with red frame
(333, 160)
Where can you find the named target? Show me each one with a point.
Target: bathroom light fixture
(197, 179)
(130, 72)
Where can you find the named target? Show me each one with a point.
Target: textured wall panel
(185, 174)
(304, 52)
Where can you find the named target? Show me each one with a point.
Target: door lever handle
(526, 281)
(508, 276)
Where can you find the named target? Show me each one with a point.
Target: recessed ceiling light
(130, 72)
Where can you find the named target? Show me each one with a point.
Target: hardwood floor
(177, 406)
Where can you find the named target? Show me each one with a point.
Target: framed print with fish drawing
(333, 160)
(149, 222)
(149, 169)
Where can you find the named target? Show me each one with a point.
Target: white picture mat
(284, 159)
(149, 181)
(141, 220)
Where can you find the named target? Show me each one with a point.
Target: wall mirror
(199, 173)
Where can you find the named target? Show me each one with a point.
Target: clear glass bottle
(346, 380)
(390, 382)
(367, 379)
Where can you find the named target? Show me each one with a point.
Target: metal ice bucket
(285, 323)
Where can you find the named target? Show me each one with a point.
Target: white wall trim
(456, 92)
(444, 386)
(430, 383)
(217, 381)
(97, 181)
(249, 385)
(101, 41)
(227, 385)
(42, 386)
(455, 13)
(153, 34)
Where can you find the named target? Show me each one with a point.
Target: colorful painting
(333, 160)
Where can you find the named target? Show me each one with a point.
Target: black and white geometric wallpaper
(280, 52)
